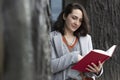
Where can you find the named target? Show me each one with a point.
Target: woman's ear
(64, 18)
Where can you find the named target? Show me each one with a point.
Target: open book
(94, 56)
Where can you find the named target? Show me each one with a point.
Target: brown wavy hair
(82, 30)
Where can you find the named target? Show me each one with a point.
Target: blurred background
(24, 36)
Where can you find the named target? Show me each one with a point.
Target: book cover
(93, 57)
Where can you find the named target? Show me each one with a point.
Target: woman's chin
(73, 30)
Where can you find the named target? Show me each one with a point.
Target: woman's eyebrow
(76, 16)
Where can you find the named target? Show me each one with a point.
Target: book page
(109, 52)
(100, 51)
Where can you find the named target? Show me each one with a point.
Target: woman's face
(74, 20)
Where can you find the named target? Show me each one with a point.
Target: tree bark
(104, 18)
(19, 61)
(41, 27)
(26, 27)
(1, 42)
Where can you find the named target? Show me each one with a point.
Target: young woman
(70, 41)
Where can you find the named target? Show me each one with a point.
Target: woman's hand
(94, 68)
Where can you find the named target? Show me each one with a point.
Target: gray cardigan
(62, 59)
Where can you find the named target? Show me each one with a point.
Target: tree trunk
(41, 25)
(26, 26)
(104, 18)
(1, 42)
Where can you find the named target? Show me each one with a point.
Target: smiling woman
(73, 20)
(70, 41)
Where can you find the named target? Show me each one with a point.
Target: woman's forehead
(76, 12)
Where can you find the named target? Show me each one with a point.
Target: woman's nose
(77, 22)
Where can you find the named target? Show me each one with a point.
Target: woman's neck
(70, 39)
(68, 33)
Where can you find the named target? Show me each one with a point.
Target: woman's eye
(74, 18)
